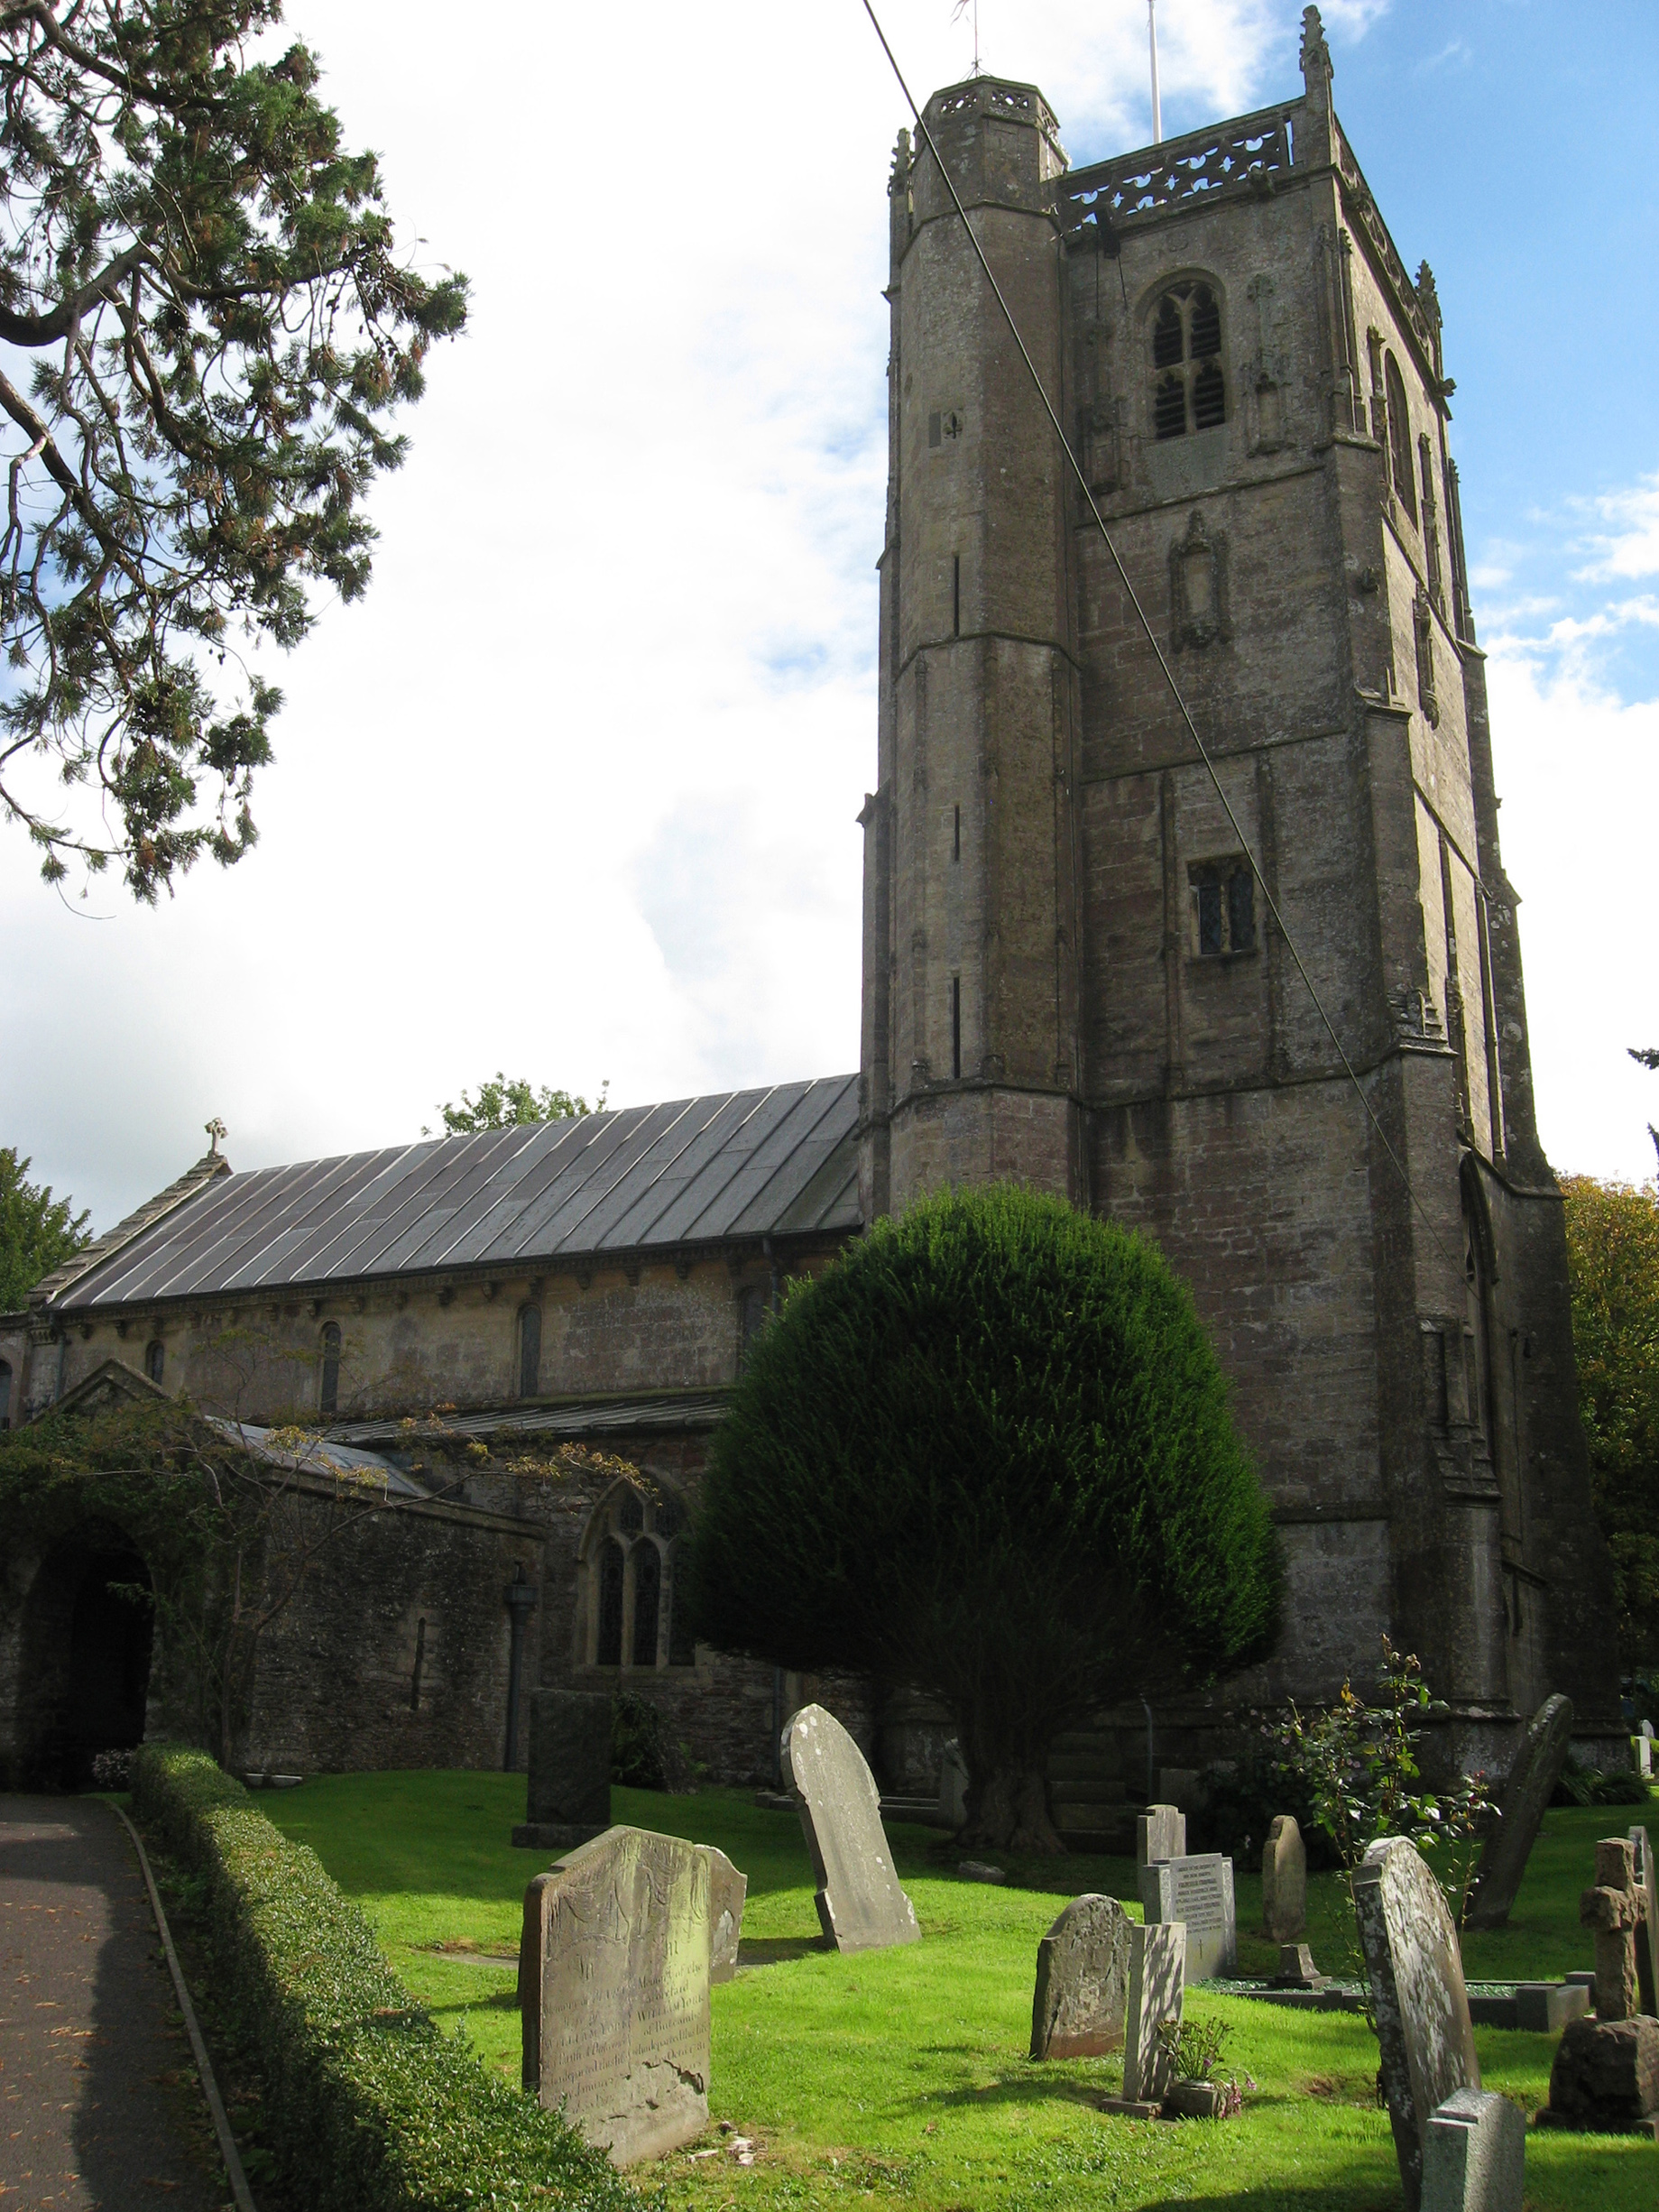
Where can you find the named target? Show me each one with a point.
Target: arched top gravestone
(1531, 1784)
(1083, 1981)
(1416, 1975)
(861, 1906)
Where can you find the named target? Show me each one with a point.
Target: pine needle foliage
(989, 1452)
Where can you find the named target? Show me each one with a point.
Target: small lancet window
(612, 1564)
(1399, 437)
(1189, 391)
(647, 1602)
(530, 1351)
(328, 1389)
(155, 1360)
(1223, 906)
(630, 1579)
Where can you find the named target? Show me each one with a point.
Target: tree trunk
(1008, 1810)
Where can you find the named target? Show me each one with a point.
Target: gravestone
(1083, 1981)
(569, 1782)
(1527, 1790)
(861, 1906)
(1283, 1881)
(1647, 1935)
(1197, 1892)
(1613, 1907)
(1416, 1976)
(727, 1889)
(953, 1786)
(1296, 1969)
(614, 1989)
(1160, 1832)
(1157, 1975)
(1474, 2159)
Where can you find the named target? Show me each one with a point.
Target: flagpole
(1157, 114)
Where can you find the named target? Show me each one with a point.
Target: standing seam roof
(737, 1163)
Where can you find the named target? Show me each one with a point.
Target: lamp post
(521, 1605)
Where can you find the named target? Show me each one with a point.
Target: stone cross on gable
(1613, 1910)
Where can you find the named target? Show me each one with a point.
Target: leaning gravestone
(1474, 2159)
(1197, 1892)
(1083, 1981)
(613, 1988)
(1283, 1881)
(861, 1906)
(570, 1789)
(1531, 1784)
(727, 1889)
(953, 1786)
(1416, 1976)
(1157, 1975)
(1160, 1832)
(1647, 1935)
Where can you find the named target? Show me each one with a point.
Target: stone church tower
(1072, 977)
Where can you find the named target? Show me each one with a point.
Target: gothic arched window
(530, 1351)
(1189, 387)
(1399, 437)
(155, 1360)
(629, 1557)
(328, 1386)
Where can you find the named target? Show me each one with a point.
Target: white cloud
(1631, 549)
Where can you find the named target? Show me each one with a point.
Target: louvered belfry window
(1189, 386)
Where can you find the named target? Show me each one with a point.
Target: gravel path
(100, 2108)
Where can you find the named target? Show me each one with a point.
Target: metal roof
(740, 1164)
(670, 1410)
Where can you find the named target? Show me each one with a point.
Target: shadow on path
(100, 2108)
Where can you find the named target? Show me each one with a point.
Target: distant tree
(38, 1232)
(214, 327)
(987, 1453)
(1647, 1058)
(1613, 1262)
(505, 1101)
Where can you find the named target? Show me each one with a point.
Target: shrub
(989, 1453)
(373, 2109)
(1587, 1786)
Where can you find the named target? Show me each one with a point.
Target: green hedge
(371, 2108)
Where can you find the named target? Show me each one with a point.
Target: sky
(572, 791)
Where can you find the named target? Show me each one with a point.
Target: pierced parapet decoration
(1357, 196)
(1196, 584)
(1247, 156)
(990, 95)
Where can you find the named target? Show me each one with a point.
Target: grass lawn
(902, 2075)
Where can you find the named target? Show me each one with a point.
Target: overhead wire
(1140, 614)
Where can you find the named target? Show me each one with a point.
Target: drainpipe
(521, 1605)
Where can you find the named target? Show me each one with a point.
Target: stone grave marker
(1197, 1892)
(953, 1786)
(613, 1990)
(1416, 1976)
(1614, 1909)
(1605, 2077)
(1160, 1832)
(1283, 1881)
(1083, 1981)
(861, 1906)
(569, 1784)
(1647, 1935)
(727, 1889)
(1526, 1792)
(1474, 2159)
(1157, 1975)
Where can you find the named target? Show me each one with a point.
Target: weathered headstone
(1157, 1975)
(1613, 1908)
(1296, 1969)
(1475, 2156)
(727, 1889)
(569, 1782)
(1283, 1881)
(1083, 1981)
(1527, 1790)
(1160, 1832)
(1647, 1935)
(613, 1988)
(1416, 1976)
(861, 1906)
(1604, 2077)
(953, 1786)
(1197, 1892)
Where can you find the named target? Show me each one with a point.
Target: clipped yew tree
(989, 1453)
